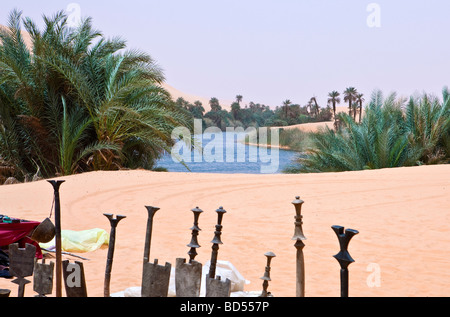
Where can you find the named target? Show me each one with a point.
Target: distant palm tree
(309, 106)
(316, 106)
(391, 134)
(286, 105)
(360, 99)
(350, 96)
(238, 99)
(235, 108)
(334, 99)
(214, 104)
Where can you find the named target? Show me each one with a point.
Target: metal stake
(148, 237)
(266, 277)
(343, 257)
(195, 229)
(299, 245)
(112, 242)
(216, 241)
(58, 275)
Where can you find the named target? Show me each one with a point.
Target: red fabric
(17, 233)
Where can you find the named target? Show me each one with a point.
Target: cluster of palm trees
(394, 132)
(76, 101)
(352, 97)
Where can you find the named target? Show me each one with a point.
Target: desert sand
(402, 215)
(309, 127)
(316, 126)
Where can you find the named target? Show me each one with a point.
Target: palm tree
(334, 99)
(286, 105)
(350, 96)
(379, 142)
(360, 99)
(389, 135)
(428, 121)
(316, 106)
(79, 102)
(238, 99)
(309, 106)
(235, 109)
(214, 104)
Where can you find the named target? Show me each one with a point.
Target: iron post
(58, 271)
(111, 246)
(299, 245)
(216, 242)
(195, 230)
(343, 257)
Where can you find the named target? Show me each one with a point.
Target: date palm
(360, 99)
(239, 99)
(333, 100)
(313, 100)
(286, 104)
(78, 101)
(390, 135)
(350, 96)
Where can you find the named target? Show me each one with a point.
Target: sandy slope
(403, 216)
(316, 126)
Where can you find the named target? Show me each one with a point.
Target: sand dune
(316, 126)
(402, 214)
(310, 127)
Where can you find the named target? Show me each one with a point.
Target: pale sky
(270, 51)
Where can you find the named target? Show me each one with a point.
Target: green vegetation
(393, 133)
(255, 114)
(75, 101)
(288, 139)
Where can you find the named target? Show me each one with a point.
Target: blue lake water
(226, 153)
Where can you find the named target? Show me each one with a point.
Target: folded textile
(80, 241)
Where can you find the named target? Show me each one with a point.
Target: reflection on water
(225, 153)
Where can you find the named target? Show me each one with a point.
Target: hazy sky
(269, 51)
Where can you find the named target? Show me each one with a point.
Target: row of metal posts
(155, 278)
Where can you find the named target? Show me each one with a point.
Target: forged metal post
(148, 237)
(216, 241)
(111, 246)
(58, 274)
(195, 229)
(266, 277)
(343, 257)
(299, 245)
